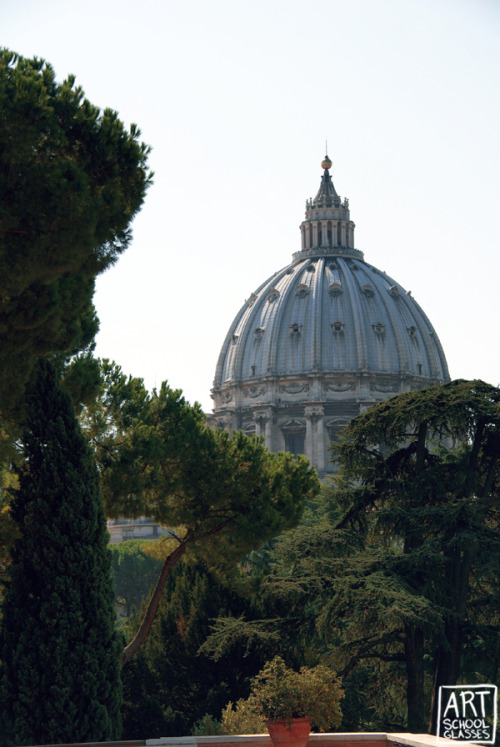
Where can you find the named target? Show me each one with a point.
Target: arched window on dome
(272, 295)
(302, 291)
(339, 234)
(367, 290)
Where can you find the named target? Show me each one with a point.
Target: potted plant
(291, 702)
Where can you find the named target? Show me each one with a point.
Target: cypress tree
(60, 678)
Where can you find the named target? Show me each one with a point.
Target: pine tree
(60, 679)
(72, 178)
(426, 503)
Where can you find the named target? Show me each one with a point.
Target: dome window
(412, 331)
(235, 339)
(252, 299)
(367, 290)
(294, 432)
(394, 291)
(273, 295)
(302, 291)
(333, 266)
(258, 332)
(337, 327)
(295, 329)
(311, 268)
(379, 328)
(335, 289)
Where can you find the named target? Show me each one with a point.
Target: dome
(322, 340)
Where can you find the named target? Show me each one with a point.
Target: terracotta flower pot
(293, 733)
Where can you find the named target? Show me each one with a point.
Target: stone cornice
(328, 251)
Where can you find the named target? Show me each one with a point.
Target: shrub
(244, 718)
(281, 694)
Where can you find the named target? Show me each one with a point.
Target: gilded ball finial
(326, 163)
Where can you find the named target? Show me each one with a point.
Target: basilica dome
(322, 340)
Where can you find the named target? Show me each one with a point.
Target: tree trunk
(414, 657)
(154, 602)
(447, 666)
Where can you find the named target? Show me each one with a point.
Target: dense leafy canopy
(59, 672)
(420, 480)
(157, 458)
(71, 180)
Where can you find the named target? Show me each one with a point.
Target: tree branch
(154, 602)
(152, 608)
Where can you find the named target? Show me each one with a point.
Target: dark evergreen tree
(426, 503)
(71, 180)
(60, 679)
(170, 684)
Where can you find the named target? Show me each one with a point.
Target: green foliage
(242, 718)
(419, 482)
(207, 726)
(221, 495)
(157, 458)
(169, 675)
(135, 571)
(281, 694)
(392, 581)
(71, 180)
(8, 529)
(59, 676)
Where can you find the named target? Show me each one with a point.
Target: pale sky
(236, 99)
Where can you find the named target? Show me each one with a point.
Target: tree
(396, 579)
(223, 495)
(71, 180)
(8, 529)
(420, 475)
(169, 675)
(232, 495)
(135, 571)
(59, 676)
